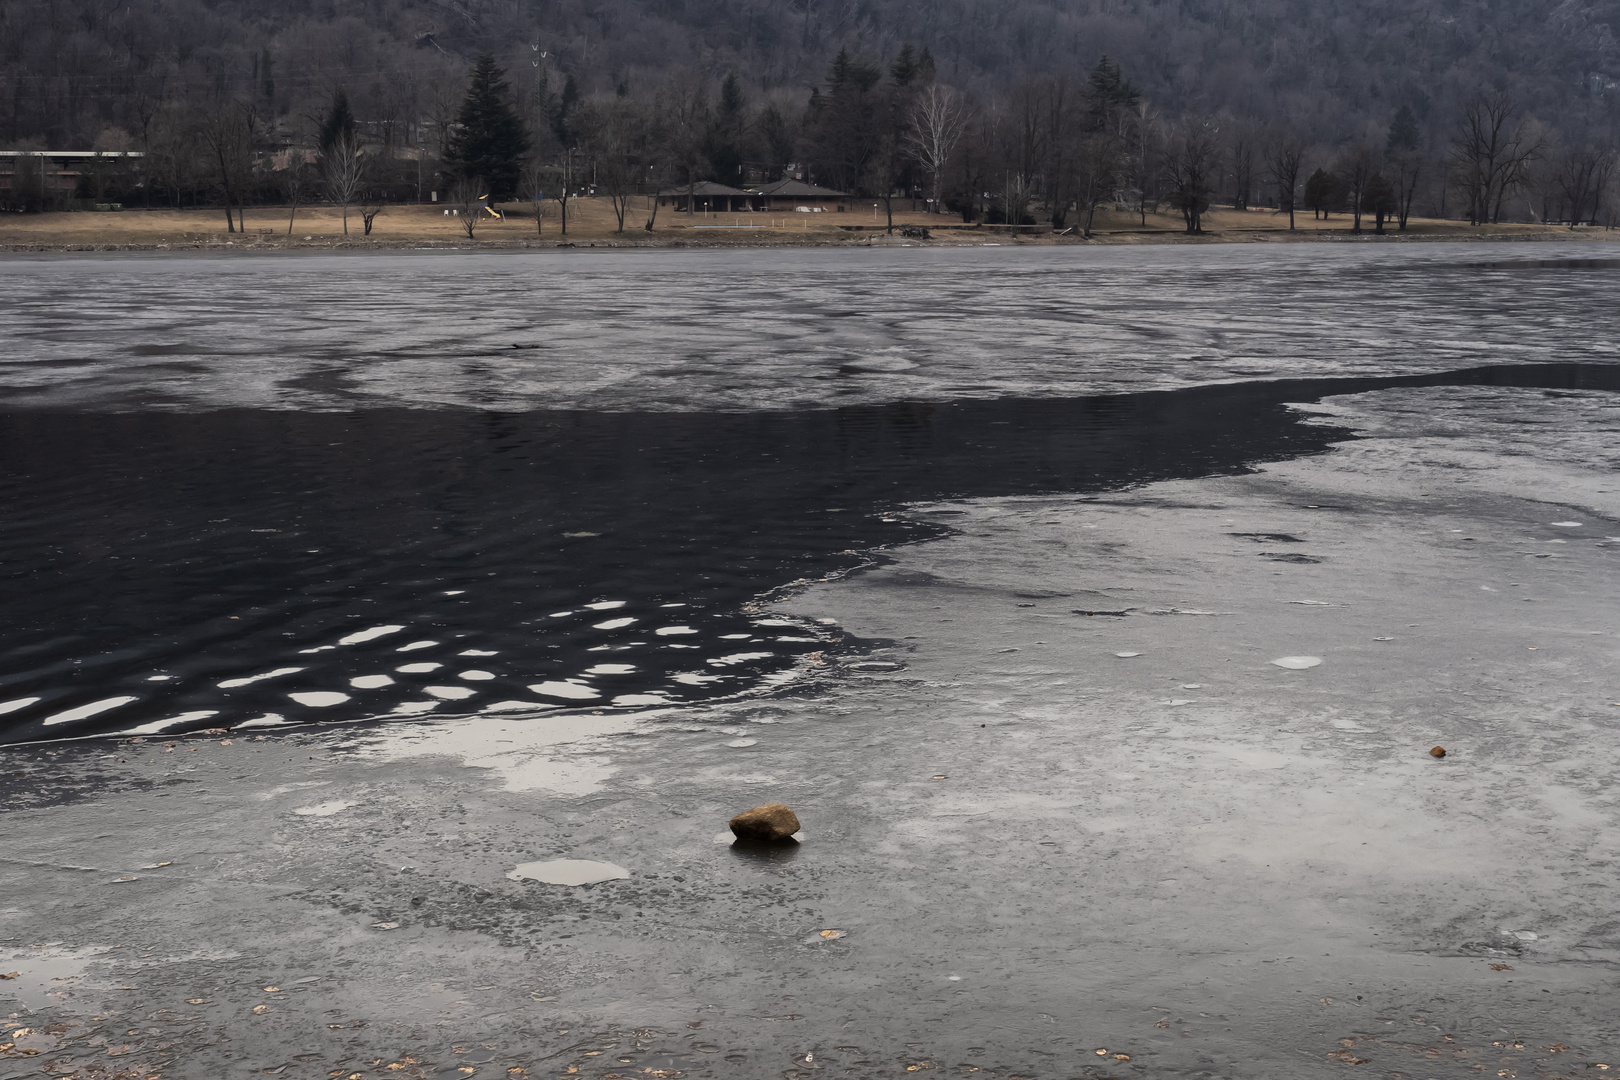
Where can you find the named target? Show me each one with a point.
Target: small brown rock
(1438, 751)
(771, 822)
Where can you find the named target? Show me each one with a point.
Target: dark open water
(170, 565)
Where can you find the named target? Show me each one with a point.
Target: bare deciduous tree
(939, 118)
(343, 171)
(1405, 169)
(1355, 170)
(1016, 194)
(534, 178)
(611, 145)
(295, 183)
(1580, 176)
(1098, 162)
(1190, 163)
(1285, 157)
(683, 124)
(227, 133)
(1491, 154)
(370, 207)
(468, 200)
(1145, 133)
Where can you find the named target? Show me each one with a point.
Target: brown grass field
(591, 222)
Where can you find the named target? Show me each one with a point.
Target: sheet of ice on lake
(951, 323)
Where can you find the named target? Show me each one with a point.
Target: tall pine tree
(337, 125)
(489, 141)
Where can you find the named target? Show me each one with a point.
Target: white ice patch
(735, 637)
(560, 614)
(606, 605)
(319, 699)
(572, 872)
(15, 704)
(477, 652)
(1297, 663)
(454, 592)
(84, 712)
(159, 678)
(415, 645)
(572, 691)
(740, 658)
(450, 693)
(515, 706)
(775, 622)
(1127, 655)
(249, 680)
(628, 700)
(611, 669)
(740, 743)
(1565, 524)
(316, 649)
(174, 721)
(414, 708)
(612, 624)
(691, 678)
(418, 669)
(373, 634)
(267, 720)
(673, 631)
(325, 809)
(475, 675)
(371, 682)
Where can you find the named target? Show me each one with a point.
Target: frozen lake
(777, 329)
(1125, 771)
(264, 491)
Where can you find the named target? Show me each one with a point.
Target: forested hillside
(69, 68)
(129, 74)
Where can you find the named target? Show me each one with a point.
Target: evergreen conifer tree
(562, 114)
(489, 141)
(338, 124)
(1403, 132)
(904, 68)
(725, 143)
(925, 67)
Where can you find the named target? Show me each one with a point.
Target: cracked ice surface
(797, 329)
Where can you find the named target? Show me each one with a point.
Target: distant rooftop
(798, 189)
(707, 187)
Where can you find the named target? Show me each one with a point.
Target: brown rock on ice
(1438, 751)
(770, 822)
